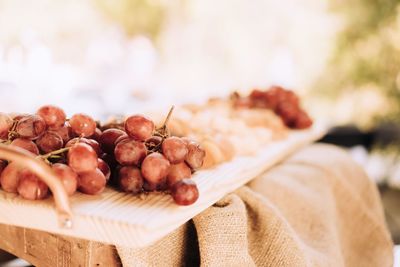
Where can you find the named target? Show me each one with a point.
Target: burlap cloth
(317, 208)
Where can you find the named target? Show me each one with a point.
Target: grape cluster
(134, 156)
(285, 103)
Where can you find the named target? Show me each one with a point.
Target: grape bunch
(285, 103)
(134, 156)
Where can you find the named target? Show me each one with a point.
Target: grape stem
(168, 116)
(162, 131)
(54, 153)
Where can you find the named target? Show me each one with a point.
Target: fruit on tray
(285, 103)
(135, 156)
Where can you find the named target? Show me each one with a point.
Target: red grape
(91, 182)
(104, 168)
(3, 164)
(174, 149)
(155, 168)
(122, 137)
(5, 124)
(96, 135)
(26, 144)
(67, 176)
(83, 125)
(130, 152)
(93, 143)
(154, 141)
(178, 172)
(65, 132)
(49, 141)
(30, 186)
(52, 115)
(31, 126)
(82, 158)
(302, 121)
(130, 179)
(9, 177)
(108, 138)
(139, 127)
(185, 192)
(195, 155)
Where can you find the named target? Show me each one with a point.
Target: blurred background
(107, 57)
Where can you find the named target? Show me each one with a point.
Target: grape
(185, 192)
(195, 155)
(91, 182)
(30, 186)
(130, 179)
(65, 132)
(130, 152)
(96, 135)
(160, 186)
(174, 149)
(26, 144)
(3, 164)
(52, 115)
(139, 127)
(155, 168)
(154, 141)
(82, 158)
(178, 172)
(49, 141)
(302, 121)
(9, 177)
(108, 138)
(122, 137)
(31, 127)
(5, 124)
(67, 176)
(93, 143)
(288, 113)
(104, 168)
(83, 125)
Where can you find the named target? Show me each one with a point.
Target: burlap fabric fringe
(317, 208)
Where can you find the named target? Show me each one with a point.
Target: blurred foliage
(367, 55)
(144, 17)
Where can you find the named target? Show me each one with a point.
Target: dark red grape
(155, 168)
(185, 192)
(178, 172)
(49, 141)
(91, 182)
(104, 168)
(26, 144)
(5, 124)
(30, 186)
(174, 149)
(130, 152)
(82, 125)
(31, 127)
(195, 155)
(82, 158)
(9, 177)
(130, 179)
(67, 176)
(108, 138)
(52, 115)
(139, 127)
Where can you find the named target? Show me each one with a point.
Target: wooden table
(49, 250)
